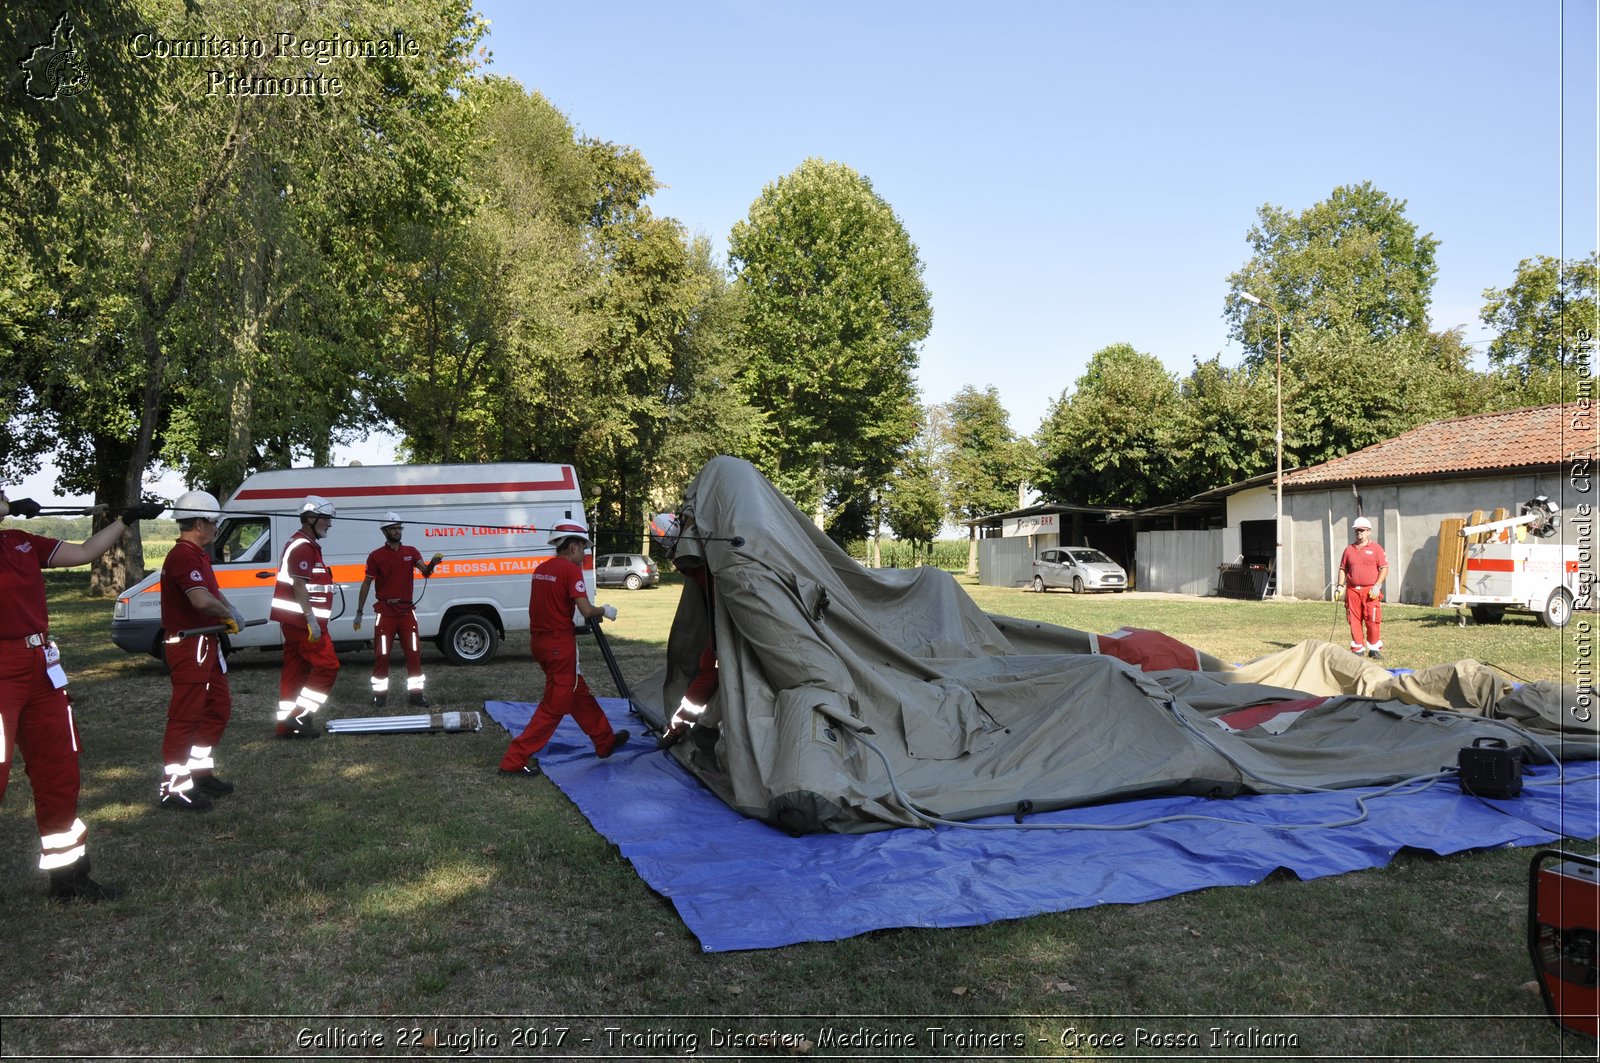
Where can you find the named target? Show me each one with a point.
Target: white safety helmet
(390, 519)
(200, 505)
(664, 531)
(568, 529)
(1362, 522)
(316, 506)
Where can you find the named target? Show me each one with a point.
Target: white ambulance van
(490, 522)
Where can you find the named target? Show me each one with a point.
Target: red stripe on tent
(566, 481)
(1256, 715)
(1490, 564)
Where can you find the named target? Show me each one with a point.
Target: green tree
(914, 500)
(1228, 424)
(833, 308)
(1113, 439)
(984, 462)
(1544, 320)
(174, 261)
(1353, 261)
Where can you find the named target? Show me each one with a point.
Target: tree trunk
(972, 550)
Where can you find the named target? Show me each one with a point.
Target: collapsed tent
(854, 699)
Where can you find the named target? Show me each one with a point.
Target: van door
(245, 559)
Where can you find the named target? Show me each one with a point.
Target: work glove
(610, 611)
(231, 626)
(238, 617)
(24, 507)
(313, 632)
(143, 511)
(1375, 594)
(358, 620)
(435, 559)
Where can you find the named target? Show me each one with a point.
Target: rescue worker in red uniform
(302, 602)
(557, 588)
(390, 567)
(201, 699)
(1362, 571)
(666, 530)
(35, 710)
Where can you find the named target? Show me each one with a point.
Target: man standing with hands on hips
(1362, 570)
(558, 588)
(35, 711)
(201, 700)
(390, 566)
(302, 602)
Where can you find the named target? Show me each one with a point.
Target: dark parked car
(1080, 567)
(625, 570)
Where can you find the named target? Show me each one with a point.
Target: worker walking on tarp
(557, 589)
(1362, 571)
(302, 602)
(35, 710)
(666, 530)
(390, 567)
(201, 701)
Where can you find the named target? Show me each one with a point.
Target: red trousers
(309, 669)
(399, 626)
(1365, 615)
(37, 719)
(201, 702)
(565, 694)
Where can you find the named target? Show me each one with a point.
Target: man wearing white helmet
(201, 701)
(390, 566)
(1362, 570)
(558, 588)
(302, 602)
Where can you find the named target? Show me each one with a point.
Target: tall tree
(147, 261)
(1112, 440)
(833, 309)
(1544, 320)
(914, 500)
(1353, 261)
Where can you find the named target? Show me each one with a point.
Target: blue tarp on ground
(738, 883)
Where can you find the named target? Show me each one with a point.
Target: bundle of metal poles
(445, 722)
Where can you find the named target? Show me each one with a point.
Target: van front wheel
(469, 639)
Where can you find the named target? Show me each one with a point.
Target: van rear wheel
(470, 638)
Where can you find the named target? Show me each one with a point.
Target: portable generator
(1563, 929)
(1490, 768)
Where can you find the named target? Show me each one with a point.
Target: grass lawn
(397, 885)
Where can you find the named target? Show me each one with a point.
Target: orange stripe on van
(232, 579)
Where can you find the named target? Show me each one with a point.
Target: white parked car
(1082, 568)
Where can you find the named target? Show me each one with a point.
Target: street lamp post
(1277, 526)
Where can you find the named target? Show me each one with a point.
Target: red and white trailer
(1514, 572)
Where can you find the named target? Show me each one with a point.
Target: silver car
(1082, 568)
(625, 570)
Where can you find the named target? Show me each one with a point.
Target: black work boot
(72, 883)
(416, 699)
(379, 700)
(190, 800)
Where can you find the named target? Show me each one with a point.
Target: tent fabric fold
(854, 700)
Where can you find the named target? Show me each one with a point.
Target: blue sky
(1078, 174)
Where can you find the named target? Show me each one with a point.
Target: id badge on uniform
(53, 669)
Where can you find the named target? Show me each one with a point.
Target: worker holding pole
(1362, 571)
(201, 699)
(557, 589)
